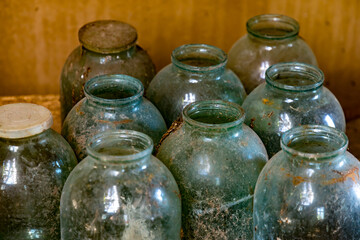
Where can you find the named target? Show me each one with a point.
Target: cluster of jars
(211, 178)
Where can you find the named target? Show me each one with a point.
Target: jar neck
(213, 116)
(199, 59)
(113, 90)
(314, 144)
(104, 57)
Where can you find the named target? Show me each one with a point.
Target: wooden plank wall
(37, 35)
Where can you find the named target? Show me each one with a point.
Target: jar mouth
(314, 142)
(114, 89)
(213, 114)
(294, 76)
(272, 26)
(199, 57)
(120, 146)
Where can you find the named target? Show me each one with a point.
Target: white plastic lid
(19, 120)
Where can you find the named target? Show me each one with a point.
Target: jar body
(216, 192)
(33, 172)
(83, 64)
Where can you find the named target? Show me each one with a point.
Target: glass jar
(120, 191)
(271, 39)
(112, 102)
(107, 47)
(197, 72)
(216, 160)
(309, 190)
(34, 164)
(292, 95)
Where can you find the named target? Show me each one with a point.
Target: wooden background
(38, 35)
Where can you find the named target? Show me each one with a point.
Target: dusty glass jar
(107, 47)
(34, 164)
(215, 160)
(112, 102)
(271, 39)
(120, 191)
(309, 190)
(197, 72)
(292, 95)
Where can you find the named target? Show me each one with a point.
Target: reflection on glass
(189, 98)
(320, 213)
(329, 121)
(158, 195)
(285, 122)
(111, 200)
(9, 172)
(35, 234)
(204, 165)
(264, 65)
(307, 195)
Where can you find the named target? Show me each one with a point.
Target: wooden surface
(38, 35)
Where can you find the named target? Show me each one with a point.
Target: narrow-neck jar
(197, 72)
(216, 160)
(292, 95)
(112, 102)
(310, 189)
(107, 47)
(120, 191)
(270, 39)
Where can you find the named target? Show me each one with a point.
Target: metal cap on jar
(107, 36)
(21, 120)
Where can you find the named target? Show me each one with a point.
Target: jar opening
(294, 76)
(113, 89)
(199, 57)
(272, 26)
(213, 114)
(314, 142)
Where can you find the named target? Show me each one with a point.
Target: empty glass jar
(34, 164)
(216, 160)
(112, 102)
(120, 191)
(107, 47)
(271, 39)
(292, 95)
(197, 72)
(309, 190)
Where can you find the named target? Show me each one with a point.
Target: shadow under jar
(112, 102)
(292, 95)
(271, 39)
(107, 47)
(197, 72)
(310, 189)
(120, 191)
(216, 160)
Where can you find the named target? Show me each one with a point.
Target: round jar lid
(19, 120)
(107, 36)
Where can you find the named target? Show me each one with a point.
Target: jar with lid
(197, 72)
(34, 164)
(310, 189)
(107, 47)
(271, 39)
(120, 191)
(112, 102)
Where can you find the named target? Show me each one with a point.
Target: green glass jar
(310, 189)
(292, 95)
(112, 102)
(197, 72)
(107, 47)
(34, 164)
(120, 191)
(271, 39)
(216, 160)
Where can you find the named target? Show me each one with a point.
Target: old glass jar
(112, 102)
(216, 160)
(271, 39)
(120, 191)
(107, 47)
(34, 164)
(197, 72)
(310, 189)
(292, 95)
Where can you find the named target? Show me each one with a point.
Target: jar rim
(294, 76)
(287, 27)
(199, 52)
